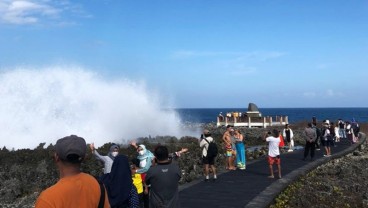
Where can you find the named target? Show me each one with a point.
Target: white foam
(42, 105)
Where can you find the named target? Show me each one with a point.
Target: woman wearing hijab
(120, 189)
(145, 157)
(107, 160)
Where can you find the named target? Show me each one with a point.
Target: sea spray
(42, 105)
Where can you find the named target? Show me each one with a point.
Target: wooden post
(218, 120)
(280, 120)
(226, 120)
(249, 122)
(286, 119)
(264, 122)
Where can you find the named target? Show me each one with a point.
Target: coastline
(22, 189)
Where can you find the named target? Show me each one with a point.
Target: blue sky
(202, 53)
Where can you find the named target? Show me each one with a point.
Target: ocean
(208, 115)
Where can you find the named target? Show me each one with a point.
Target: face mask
(114, 154)
(141, 152)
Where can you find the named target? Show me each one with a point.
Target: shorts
(229, 152)
(272, 160)
(208, 161)
(327, 143)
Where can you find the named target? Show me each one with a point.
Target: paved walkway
(252, 187)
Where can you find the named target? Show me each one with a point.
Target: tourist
(226, 138)
(164, 180)
(314, 121)
(221, 117)
(233, 147)
(137, 181)
(282, 141)
(310, 137)
(341, 125)
(145, 157)
(209, 162)
(107, 160)
(288, 135)
(319, 135)
(349, 132)
(356, 130)
(74, 188)
(332, 134)
(326, 138)
(337, 133)
(240, 150)
(273, 151)
(120, 189)
(175, 155)
(146, 160)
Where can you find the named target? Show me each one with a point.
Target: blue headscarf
(118, 182)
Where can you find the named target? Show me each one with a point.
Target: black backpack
(318, 132)
(212, 149)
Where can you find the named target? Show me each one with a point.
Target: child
(137, 181)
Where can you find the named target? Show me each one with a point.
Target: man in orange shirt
(75, 188)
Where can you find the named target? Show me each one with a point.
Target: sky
(201, 54)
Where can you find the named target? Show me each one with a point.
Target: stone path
(252, 187)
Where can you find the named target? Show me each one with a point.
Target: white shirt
(273, 146)
(205, 144)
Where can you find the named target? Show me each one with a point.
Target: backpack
(323, 134)
(212, 149)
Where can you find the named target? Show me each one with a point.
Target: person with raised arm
(108, 159)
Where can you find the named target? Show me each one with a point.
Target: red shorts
(272, 160)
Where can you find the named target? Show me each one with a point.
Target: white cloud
(260, 56)
(332, 93)
(27, 12)
(329, 93)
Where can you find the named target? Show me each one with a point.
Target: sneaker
(206, 180)
(290, 150)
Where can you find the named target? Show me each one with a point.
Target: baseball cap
(71, 145)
